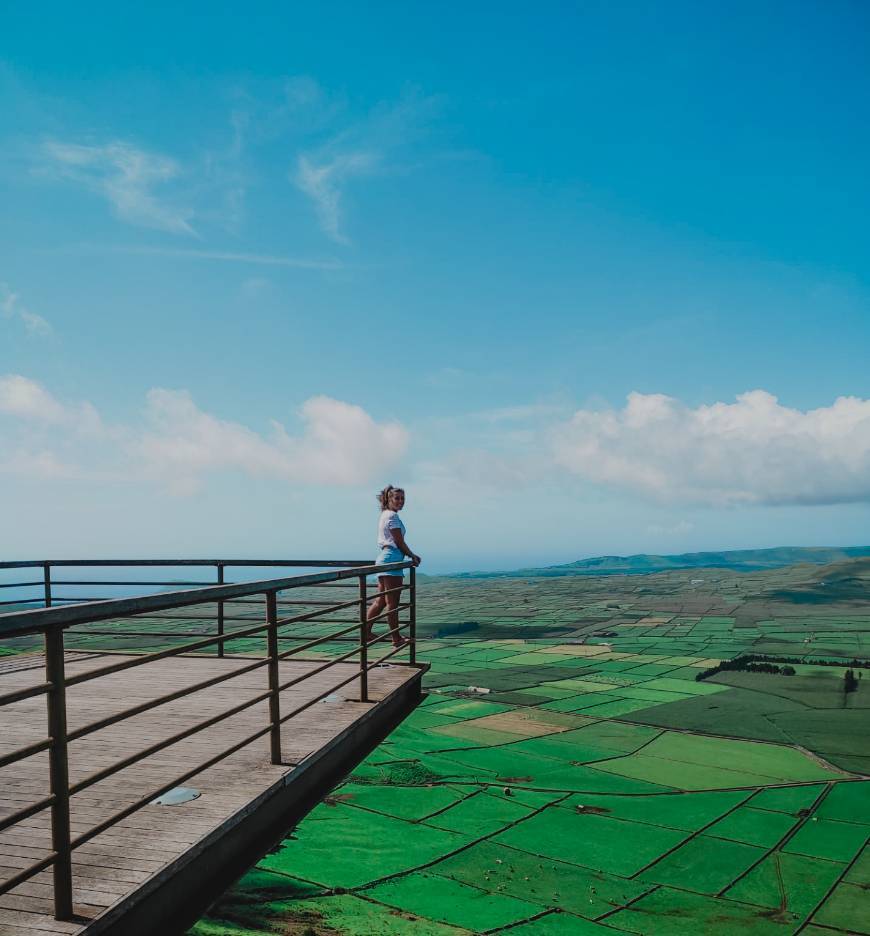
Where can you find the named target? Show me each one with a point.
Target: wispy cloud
(323, 184)
(127, 177)
(227, 256)
(378, 141)
(13, 309)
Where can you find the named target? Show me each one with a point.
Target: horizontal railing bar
(153, 703)
(213, 601)
(20, 584)
(331, 662)
(225, 637)
(21, 694)
(348, 620)
(297, 618)
(314, 643)
(317, 670)
(344, 682)
(26, 812)
(286, 622)
(23, 622)
(318, 698)
(125, 633)
(244, 601)
(211, 619)
(73, 600)
(247, 616)
(175, 651)
(383, 614)
(144, 801)
(339, 584)
(262, 563)
(150, 583)
(389, 591)
(159, 655)
(300, 601)
(165, 743)
(27, 751)
(93, 582)
(27, 873)
(387, 656)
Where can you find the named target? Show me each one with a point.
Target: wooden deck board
(111, 867)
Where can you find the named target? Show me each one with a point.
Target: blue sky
(585, 278)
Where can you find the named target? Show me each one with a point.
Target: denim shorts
(391, 554)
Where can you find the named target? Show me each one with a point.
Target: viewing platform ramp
(257, 697)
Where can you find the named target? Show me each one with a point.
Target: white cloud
(323, 185)
(178, 444)
(127, 177)
(13, 309)
(752, 451)
(29, 401)
(340, 444)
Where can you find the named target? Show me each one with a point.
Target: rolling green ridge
(745, 560)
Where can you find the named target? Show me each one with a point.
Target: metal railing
(53, 620)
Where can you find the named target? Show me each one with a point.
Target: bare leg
(376, 607)
(393, 614)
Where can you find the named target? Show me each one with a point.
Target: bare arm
(405, 549)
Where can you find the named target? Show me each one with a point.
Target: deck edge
(174, 898)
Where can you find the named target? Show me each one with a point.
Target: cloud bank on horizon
(753, 451)
(176, 444)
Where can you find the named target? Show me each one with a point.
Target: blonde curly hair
(383, 495)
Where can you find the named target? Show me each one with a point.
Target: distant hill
(738, 560)
(839, 582)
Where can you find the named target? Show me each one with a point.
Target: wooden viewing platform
(261, 739)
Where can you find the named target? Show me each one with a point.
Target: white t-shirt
(389, 521)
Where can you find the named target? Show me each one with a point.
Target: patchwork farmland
(569, 773)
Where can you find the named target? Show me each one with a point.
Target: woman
(393, 548)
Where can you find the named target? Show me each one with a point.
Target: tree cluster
(750, 663)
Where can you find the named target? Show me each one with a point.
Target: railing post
(220, 611)
(58, 766)
(46, 575)
(363, 642)
(274, 704)
(412, 617)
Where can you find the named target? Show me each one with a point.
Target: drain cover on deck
(177, 796)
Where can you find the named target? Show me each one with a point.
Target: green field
(567, 774)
